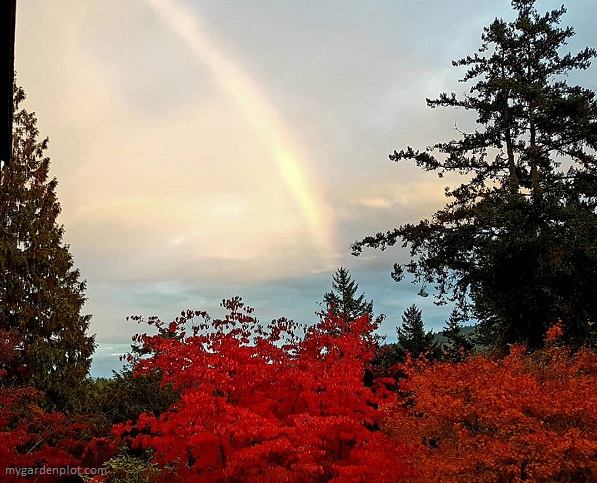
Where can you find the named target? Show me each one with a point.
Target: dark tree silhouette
(458, 346)
(412, 337)
(515, 246)
(343, 301)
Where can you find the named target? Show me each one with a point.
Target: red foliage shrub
(528, 417)
(33, 441)
(260, 404)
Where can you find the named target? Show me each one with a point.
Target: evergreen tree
(41, 295)
(343, 303)
(458, 345)
(412, 337)
(342, 300)
(515, 246)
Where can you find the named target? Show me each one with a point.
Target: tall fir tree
(515, 245)
(342, 300)
(412, 337)
(41, 295)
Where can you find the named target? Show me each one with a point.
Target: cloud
(170, 199)
(407, 200)
(376, 202)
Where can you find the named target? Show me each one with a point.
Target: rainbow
(262, 116)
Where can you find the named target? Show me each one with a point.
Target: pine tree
(342, 300)
(515, 245)
(412, 337)
(458, 346)
(41, 295)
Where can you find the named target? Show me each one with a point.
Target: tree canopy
(41, 296)
(514, 246)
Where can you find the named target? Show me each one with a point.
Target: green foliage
(515, 245)
(124, 397)
(127, 396)
(342, 301)
(386, 356)
(41, 295)
(458, 346)
(412, 337)
(126, 468)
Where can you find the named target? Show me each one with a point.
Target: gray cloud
(170, 198)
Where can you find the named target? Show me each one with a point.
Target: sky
(212, 148)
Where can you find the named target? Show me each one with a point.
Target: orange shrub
(528, 417)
